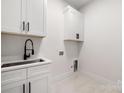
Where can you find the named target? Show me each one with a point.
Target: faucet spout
(25, 49)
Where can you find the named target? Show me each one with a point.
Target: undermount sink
(21, 63)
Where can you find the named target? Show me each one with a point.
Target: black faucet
(25, 49)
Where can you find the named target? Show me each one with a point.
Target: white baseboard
(64, 76)
(99, 78)
(72, 74)
(117, 84)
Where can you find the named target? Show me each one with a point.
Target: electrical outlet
(61, 53)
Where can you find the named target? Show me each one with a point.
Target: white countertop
(46, 61)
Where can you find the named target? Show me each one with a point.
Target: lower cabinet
(38, 84)
(36, 81)
(14, 87)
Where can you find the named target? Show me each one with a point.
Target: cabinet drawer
(13, 76)
(38, 70)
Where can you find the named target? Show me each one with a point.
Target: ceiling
(77, 3)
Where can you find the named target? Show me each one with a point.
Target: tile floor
(83, 84)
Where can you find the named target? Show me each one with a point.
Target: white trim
(98, 78)
(44, 17)
(22, 34)
(103, 80)
(62, 77)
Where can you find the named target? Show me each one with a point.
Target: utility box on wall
(73, 25)
(75, 65)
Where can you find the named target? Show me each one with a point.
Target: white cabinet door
(11, 15)
(38, 84)
(16, 87)
(35, 17)
(73, 22)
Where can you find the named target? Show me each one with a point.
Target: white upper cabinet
(24, 17)
(35, 17)
(11, 15)
(73, 24)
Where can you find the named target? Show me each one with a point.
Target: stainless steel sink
(21, 63)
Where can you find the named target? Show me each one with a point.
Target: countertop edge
(6, 69)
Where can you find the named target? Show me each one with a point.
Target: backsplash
(12, 47)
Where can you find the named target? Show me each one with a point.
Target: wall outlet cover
(61, 53)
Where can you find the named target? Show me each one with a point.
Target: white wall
(54, 42)
(48, 47)
(101, 51)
